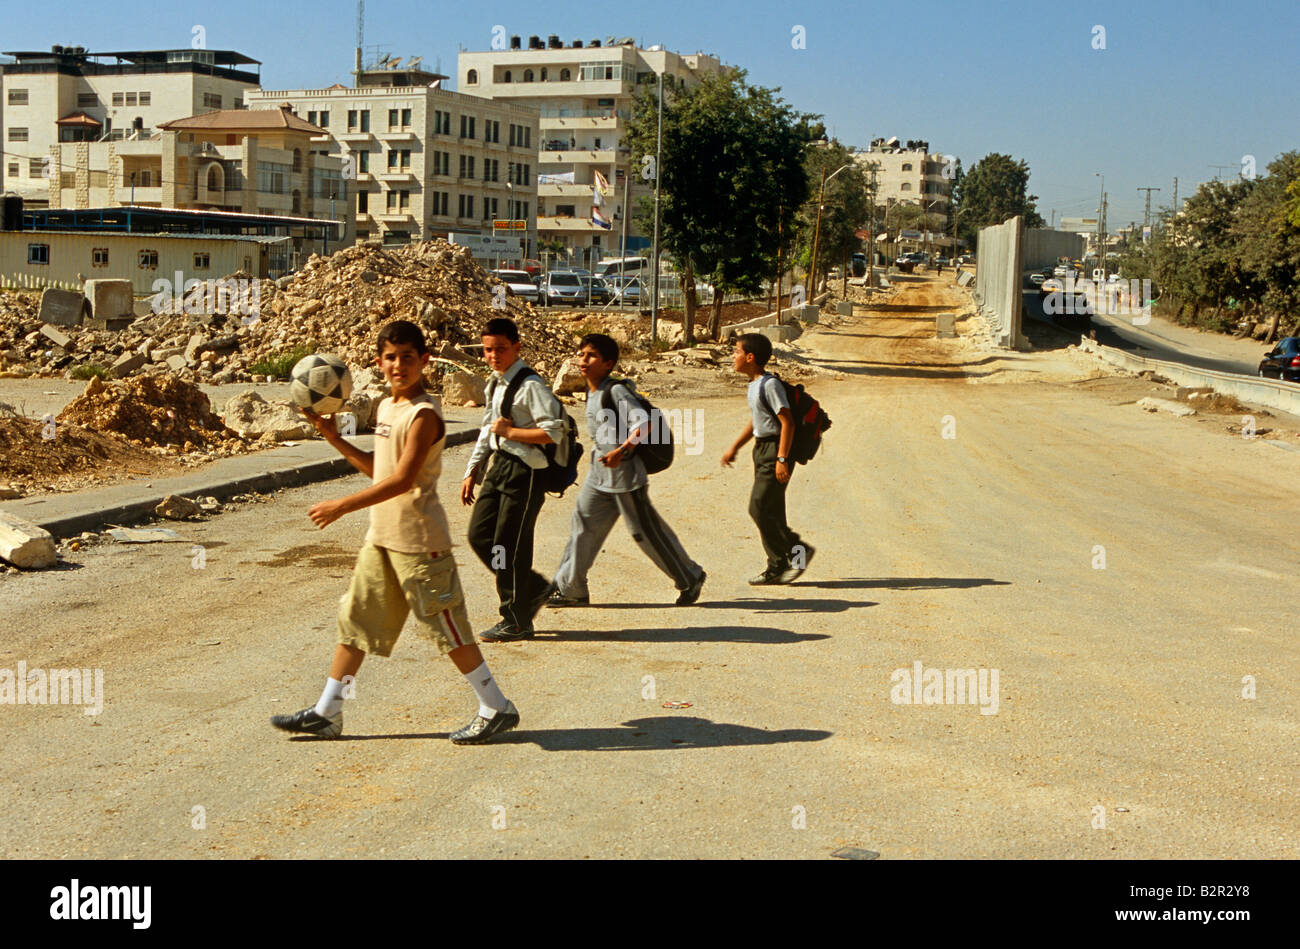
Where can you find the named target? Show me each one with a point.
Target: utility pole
(871, 226)
(1100, 207)
(1173, 221)
(1146, 215)
(817, 231)
(1218, 170)
(1102, 250)
(654, 297)
(1052, 226)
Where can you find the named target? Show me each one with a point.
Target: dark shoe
(483, 729)
(307, 722)
(789, 575)
(766, 578)
(506, 632)
(559, 599)
(692, 592)
(542, 599)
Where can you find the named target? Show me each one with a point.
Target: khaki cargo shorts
(388, 585)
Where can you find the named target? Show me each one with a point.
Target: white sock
(331, 700)
(490, 699)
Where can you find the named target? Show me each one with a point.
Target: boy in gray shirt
(617, 486)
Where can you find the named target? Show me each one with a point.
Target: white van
(628, 266)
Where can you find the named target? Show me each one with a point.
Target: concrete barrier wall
(1272, 393)
(1043, 247)
(997, 282)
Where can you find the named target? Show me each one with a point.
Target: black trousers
(501, 534)
(767, 507)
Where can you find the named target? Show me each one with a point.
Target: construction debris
(155, 411)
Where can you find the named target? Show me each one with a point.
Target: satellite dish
(396, 63)
(414, 62)
(382, 62)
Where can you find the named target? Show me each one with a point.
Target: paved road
(1119, 688)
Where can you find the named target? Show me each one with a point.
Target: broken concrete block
(965, 279)
(126, 364)
(62, 307)
(177, 362)
(945, 325)
(176, 508)
(464, 388)
(844, 308)
(61, 340)
(24, 544)
(251, 416)
(809, 312)
(1165, 405)
(568, 379)
(143, 535)
(110, 299)
(781, 333)
(9, 493)
(196, 345)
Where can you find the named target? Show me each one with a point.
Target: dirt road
(1121, 572)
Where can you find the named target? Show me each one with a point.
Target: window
(119, 98)
(146, 98)
(365, 120)
(489, 209)
(38, 253)
(505, 78)
(398, 201)
(467, 126)
(465, 206)
(514, 134)
(491, 131)
(491, 169)
(145, 179)
(363, 162)
(441, 163)
(597, 71)
(363, 202)
(17, 96)
(440, 203)
(471, 78)
(324, 119)
(392, 201)
(36, 168)
(211, 100)
(907, 166)
(565, 75)
(543, 74)
(392, 119)
(406, 118)
(441, 123)
(328, 183)
(13, 169)
(352, 120)
(148, 259)
(297, 160)
(272, 177)
(466, 166)
(311, 117)
(202, 261)
(130, 98)
(906, 186)
(399, 159)
(528, 136)
(528, 75)
(17, 134)
(99, 257)
(358, 120)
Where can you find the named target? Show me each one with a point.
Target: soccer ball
(321, 383)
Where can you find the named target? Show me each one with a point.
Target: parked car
(518, 284)
(598, 290)
(858, 263)
(532, 267)
(563, 288)
(1072, 310)
(1283, 361)
(630, 291)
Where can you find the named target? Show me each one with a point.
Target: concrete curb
(1274, 394)
(69, 519)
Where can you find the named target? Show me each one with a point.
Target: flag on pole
(602, 183)
(599, 219)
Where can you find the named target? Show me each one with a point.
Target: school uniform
(767, 499)
(610, 493)
(505, 514)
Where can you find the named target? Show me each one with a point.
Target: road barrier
(998, 280)
(1272, 393)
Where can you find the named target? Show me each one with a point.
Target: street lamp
(817, 231)
(1101, 207)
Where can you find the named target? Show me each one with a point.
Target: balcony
(393, 215)
(398, 135)
(604, 156)
(355, 135)
(396, 176)
(571, 225)
(564, 191)
(142, 195)
(579, 123)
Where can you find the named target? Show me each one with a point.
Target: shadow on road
(693, 634)
(903, 583)
(758, 605)
(657, 734)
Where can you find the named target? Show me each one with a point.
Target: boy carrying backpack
(616, 482)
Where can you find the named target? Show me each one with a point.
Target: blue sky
(1180, 86)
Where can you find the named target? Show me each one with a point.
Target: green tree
(845, 208)
(731, 179)
(995, 190)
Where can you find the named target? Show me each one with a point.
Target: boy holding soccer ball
(405, 565)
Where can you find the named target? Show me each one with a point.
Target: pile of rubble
(152, 412)
(335, 304)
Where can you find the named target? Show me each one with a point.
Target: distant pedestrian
(405, 565)
(617, 486)
(771, 426)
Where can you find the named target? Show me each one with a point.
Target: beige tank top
(413, 522)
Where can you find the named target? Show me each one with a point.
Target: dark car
(1283, 362)
(563, 288)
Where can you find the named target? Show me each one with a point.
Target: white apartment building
(584, 93)
(71, 95)
(909, 172)
(423, 161)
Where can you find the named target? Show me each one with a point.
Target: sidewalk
(66, 515)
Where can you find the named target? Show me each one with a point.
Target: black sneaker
(483, 729)
(307, 722)
(793, 573)
(766, 578)
(542, 599)
(692, 592)
(506, 632)
(559, 599)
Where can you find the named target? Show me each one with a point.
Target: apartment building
(70, 95)
(423, 161)
(268, 162)
(584, 94)
(909, 172)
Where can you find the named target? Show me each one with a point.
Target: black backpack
(555, 477)
(657, 453)
(810, 420)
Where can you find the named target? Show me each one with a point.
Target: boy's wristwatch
(782, 459)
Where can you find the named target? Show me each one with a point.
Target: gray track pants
(593, 519)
